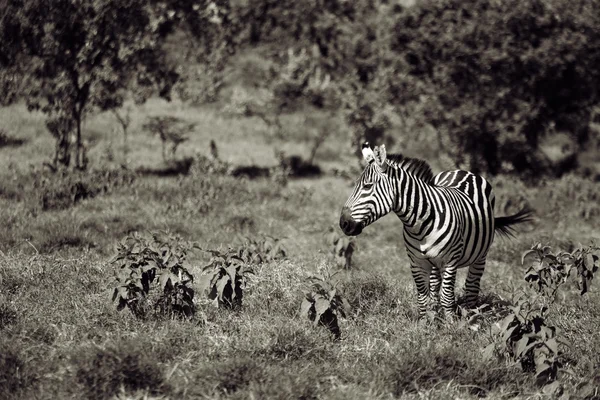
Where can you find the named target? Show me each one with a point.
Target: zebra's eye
(368, 185)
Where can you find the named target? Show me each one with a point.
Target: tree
(84, 55)
(495, 77)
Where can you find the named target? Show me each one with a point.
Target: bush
(322, 304)
(64, 189)
(498, 76)
(145, 263)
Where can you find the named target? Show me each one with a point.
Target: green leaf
(150, 264)
(526, 254)
(552, 344)
(164, 279)
(507, 321)
(588, 261)
(488, 351)
(521, 346)
(321, 306)
(346, 306)
(305, 308)
(232, 272)
(221, 284)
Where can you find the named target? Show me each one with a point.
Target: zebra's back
(472, 201)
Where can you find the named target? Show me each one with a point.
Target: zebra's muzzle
(349, 226)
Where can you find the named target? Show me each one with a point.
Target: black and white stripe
(448, 220)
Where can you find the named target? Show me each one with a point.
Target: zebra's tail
(503, 225)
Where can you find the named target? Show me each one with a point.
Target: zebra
(448, 221)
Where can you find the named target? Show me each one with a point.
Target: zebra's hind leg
(435, 282)
(421, 277)
(447, 298)
(472, 282)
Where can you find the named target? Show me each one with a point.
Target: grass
(61, 337)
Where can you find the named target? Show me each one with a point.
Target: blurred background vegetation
(490, 86)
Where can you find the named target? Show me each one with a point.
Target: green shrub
(342, 249)
(496, 77)
(227, 276)
(323, 303)
(146, 263)
(526, 335)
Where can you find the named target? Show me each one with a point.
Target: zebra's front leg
(472, 282)
(421, 277)
(447, 299)
(435, 282)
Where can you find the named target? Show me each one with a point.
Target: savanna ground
(62, 337)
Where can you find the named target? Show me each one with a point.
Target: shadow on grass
(172, 168)
(9, 141)
(295, 166)
(101, 373)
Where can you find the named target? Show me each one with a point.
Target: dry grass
(61, 337)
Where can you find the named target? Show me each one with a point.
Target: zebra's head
(372, 197)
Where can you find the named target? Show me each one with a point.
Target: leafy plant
(227, 277)
(550, 270)
(261, 250)
(530, 341)
(342, 248)
(526, 335)
(323, 304)
(147, 263)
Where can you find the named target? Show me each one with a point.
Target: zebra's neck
(413, 203)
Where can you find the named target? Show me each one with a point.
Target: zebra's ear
(368, 154)
(380, 156)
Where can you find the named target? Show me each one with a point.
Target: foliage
(228, 274)
(84, 55)
(171, 130)
(342, 248)
(156, 262)
(526, 335)
(262, 249)
(63, 190)
(550, 270)
(323, 303)
(497, 77)
(531, 341)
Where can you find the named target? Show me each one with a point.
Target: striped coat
(448, 220)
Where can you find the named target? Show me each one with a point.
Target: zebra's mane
(418, 168)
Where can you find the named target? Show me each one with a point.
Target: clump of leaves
(146, 263)
(527, 337)
(228, 274)
(263, 249)
(550, 270)
(172, 131)
(342, 249)
(530, 341)
(323, 303)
